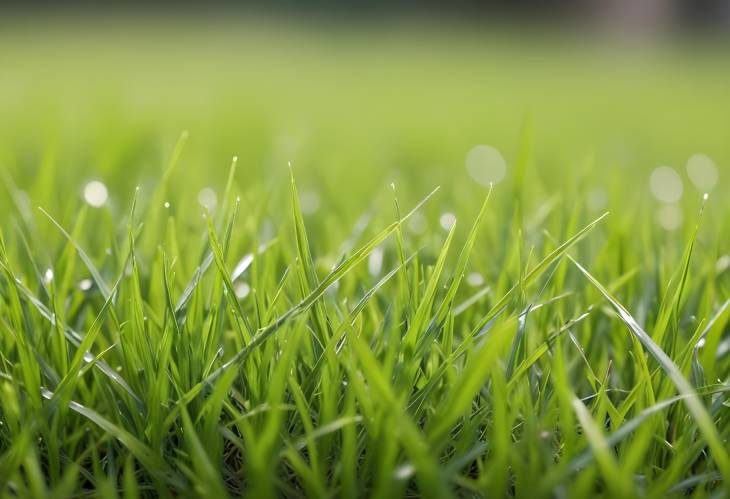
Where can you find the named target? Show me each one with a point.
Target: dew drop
(670, 216)
(722, 264)
(447, 221)
(242, 290)
(310, 202)
(417, 223)
(375, 261)
(208, 198)
(475, 279)
(702, 171)
(666, 184)
(96, 194)
(486, 165)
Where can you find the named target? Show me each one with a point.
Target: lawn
(275, 257)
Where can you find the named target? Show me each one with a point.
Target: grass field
(264, 258)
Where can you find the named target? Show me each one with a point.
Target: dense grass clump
(171, 326)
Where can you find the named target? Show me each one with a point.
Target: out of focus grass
(315, 371)
(373, 102)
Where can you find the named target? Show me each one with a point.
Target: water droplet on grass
(417, 223)
(486, 165)
(670, 216)
(310, 202)
(666, 184)
(722, 264)
(207, 198)
(405, 471)
(95, 194)
(375, 261)
(447, 221)
(242, 290)
(475, 279)
(702, 171)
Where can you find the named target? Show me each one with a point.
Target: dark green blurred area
(354, 107)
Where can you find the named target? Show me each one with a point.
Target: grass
(314, 331)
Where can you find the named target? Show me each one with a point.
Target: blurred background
(620, 105)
